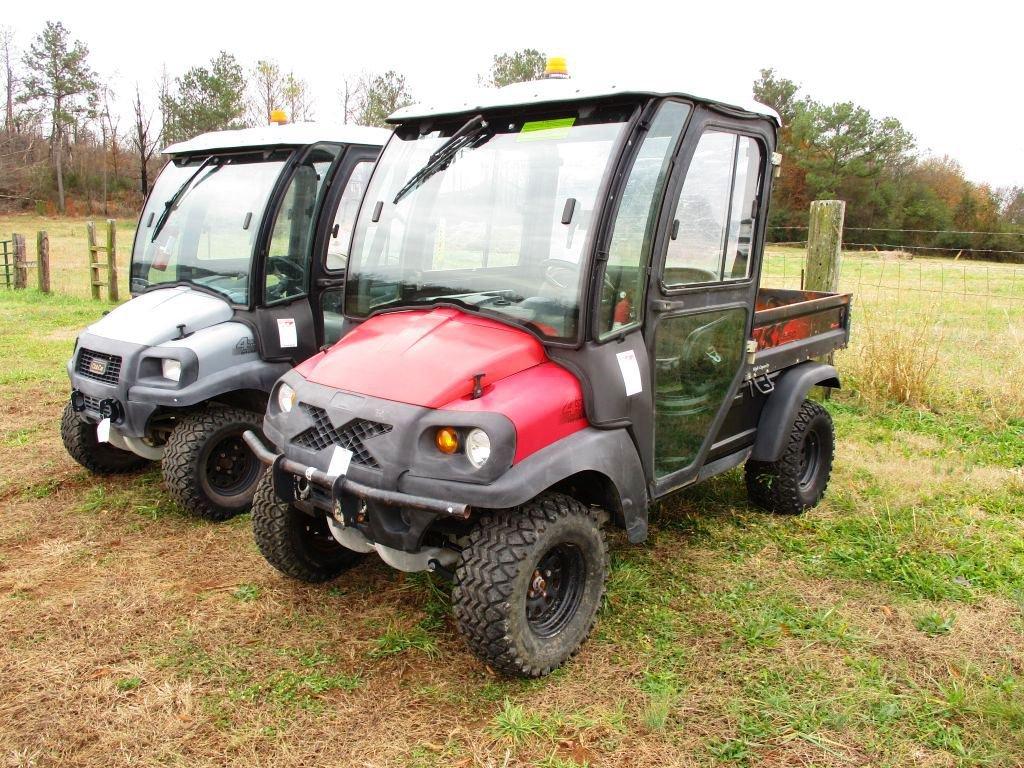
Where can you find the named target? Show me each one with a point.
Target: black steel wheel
(529, 584)
(207, 467)
(798, 480)
(298, 545)
(555, 590)
(79, 438)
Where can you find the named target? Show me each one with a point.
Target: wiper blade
(467, 135)
(176, 198)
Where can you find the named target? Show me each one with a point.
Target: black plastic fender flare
(610, 453)
(791, 389)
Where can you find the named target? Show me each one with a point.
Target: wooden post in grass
(43, 261)
(20, 264)
(96, 264)
(824, 245)
(112, 260)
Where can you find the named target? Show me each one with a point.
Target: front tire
(797, 481)
(79, 437)
(208, 468)
(298, 545)
(530, 583)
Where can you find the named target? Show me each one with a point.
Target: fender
(256, 375)
(608, 453)
(779, 411)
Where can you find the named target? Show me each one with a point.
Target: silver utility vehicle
(236, 275)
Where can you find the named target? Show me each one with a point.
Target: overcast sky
(951, 72)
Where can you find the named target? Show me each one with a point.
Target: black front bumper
(395, 519)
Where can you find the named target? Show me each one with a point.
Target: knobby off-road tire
(208, 468)
(296, 544)
(80, 440)
(797, 481)
(529, 584)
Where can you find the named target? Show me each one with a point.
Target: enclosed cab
(236, 276)
(552, 319)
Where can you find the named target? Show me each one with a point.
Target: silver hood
(153, 317)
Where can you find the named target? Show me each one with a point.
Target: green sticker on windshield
(542, 130)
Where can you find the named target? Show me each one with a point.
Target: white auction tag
(630, 372)
(286, 332)
(103, 431)
(340, 460)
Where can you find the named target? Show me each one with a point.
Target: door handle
(660, 305)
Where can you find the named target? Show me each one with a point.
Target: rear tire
(79, 437)
(797, 481)
(298, 545)
(208, 468)
(530, 583)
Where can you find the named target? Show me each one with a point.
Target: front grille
(99, 366)
(351, 435)
(91, 403)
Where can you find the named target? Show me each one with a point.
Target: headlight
(171, 369)
(478, 447)
(285, 398)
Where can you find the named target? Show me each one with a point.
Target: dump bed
(791, 326)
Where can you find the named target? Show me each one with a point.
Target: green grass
(885, 627)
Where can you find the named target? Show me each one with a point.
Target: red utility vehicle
(552, 319)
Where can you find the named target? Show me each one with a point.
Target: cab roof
(566, 89)
(290, 135)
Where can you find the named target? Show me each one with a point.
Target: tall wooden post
(94, 263)
(112, 260)
(20, 265)
(824, 245)
(43, 261)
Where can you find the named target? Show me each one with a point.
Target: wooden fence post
(20, 267)
(94, 265)
(43, 260)
(824, 245)
(112, 260)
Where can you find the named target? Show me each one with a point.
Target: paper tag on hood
(286, 332)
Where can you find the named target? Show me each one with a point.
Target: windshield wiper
(176, 198)
(467, 135)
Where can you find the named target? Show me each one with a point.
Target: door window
(622, 291)
(290, 239)
(345, 218)
(696, 358)
(713, 225)
(334, 321)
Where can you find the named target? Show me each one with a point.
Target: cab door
(334, 238)
(297, 274)
(703, 289)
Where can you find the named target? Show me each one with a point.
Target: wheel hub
(555, 589)
(231, 466)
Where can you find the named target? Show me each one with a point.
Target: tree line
(64, 140)
(842, 151)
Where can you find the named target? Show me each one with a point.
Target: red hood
(424, 357)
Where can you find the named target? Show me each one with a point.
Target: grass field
(885, 627)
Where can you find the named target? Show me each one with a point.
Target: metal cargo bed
(791, 326)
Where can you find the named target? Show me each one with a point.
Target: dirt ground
(883, 628)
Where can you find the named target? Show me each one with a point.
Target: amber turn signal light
(447, 440)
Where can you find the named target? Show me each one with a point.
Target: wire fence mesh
(965, 316)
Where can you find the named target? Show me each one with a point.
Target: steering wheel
(292, 275)
(561, 274)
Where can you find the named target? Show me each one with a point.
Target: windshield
(206, 236)
(497, 225)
